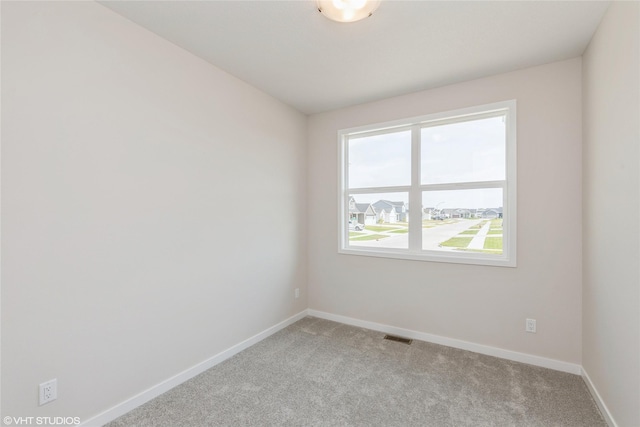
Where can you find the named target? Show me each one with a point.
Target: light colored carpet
(322, 373)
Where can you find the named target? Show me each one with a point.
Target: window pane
(464, 152)
(463, 220)
(380, 161)
(379, 220)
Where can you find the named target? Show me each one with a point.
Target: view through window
(438, 187)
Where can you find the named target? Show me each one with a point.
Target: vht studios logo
(41, 421)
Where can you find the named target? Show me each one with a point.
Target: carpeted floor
(322, 373)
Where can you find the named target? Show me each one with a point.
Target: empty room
(320, 213)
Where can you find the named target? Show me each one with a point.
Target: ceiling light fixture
(347, 10)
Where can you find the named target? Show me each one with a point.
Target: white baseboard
(155, 391)
(544, 362)
(596, 396)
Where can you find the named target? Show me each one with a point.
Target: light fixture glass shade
(347, 10)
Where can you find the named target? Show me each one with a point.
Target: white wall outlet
(296, 293)
(530, 325)
(48, 391)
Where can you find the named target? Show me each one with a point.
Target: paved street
(431, 237)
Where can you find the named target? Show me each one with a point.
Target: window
(438, 188)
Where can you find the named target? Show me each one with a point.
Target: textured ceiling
(289, 50)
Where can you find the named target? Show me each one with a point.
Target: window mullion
(370, 190)
(343, 150)
(463, 185)
(415, 197)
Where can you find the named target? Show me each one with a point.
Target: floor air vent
(398, 339)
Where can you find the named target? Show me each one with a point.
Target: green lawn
(355, 234)
(478, 225)
(457, 242)
(380, 228)
(470, 232)
(493, 243)
(369, 237)
(400, 230)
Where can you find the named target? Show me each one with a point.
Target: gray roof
(387, 205)
(363, 208)
(355, 207)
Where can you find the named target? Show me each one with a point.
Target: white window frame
(415, 189)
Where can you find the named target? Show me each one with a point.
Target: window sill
(432, 256)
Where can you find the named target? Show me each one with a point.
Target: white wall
(480, 304)
(611, 190)
(152, 208)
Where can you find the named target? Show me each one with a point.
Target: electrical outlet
(48, 391)
(530, 326)
(296, 293)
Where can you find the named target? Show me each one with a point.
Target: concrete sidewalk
(478, 240)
